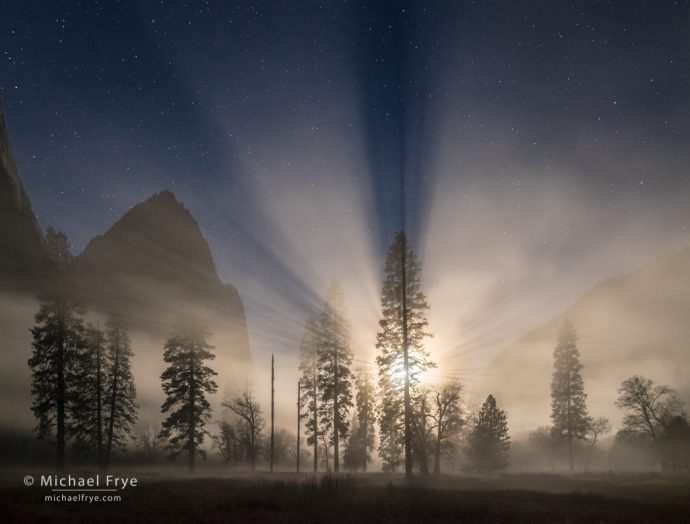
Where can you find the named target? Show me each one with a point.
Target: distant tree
(361, 442)
(632, 450)
(284, 448)
(150, 440)
(489, 442)
(186, 381)
(541, 441)
(58, 335)
(88, 402)
(446, 418)
(596, 428)
(403, 357)
(310, 383)
(120, 391)
(228, 442)
(249, 411)
(334, 361)
(422, 431)
(675, 443)
(391, 427)
(353, 455)
(568, 408)
(649, 408)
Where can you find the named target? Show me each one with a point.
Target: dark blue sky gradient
(109, 102)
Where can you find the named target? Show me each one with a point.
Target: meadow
(371, 498)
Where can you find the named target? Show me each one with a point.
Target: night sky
(522, 144)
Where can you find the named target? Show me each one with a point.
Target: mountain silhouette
(634, 324)
(155, 266)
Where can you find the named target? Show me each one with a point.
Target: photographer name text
(97, 481)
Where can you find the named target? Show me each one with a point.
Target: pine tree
(120, 392)
(186, 381)
(88, 400)
(489, 443)
(334, 375)
(365, 401)
(403, 358)
(309, 390)
(391, 426)
(568, 409)
(57, 338)
(352, 455)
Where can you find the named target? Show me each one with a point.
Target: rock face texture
(22, 254)
(635, 324)
(155, 267)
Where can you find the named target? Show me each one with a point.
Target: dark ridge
(22, 253)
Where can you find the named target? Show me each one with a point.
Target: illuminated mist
(519, 192)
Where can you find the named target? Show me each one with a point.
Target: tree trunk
(113, 400)
(365, 440)
(60, 401)
(570, 431)
(99, 408)
(272, 412)
(299, 420)
(437, 452)
(336, 417)
(407, 409)
(191, 445)
(316, 422)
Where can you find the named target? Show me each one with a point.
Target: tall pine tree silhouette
(88, 396)
(403, 357)
(489, 443)
(186, 381)
(309, 390)
(120, 390)
(365, 400)
(334, 361)
(57, 337)
(569, 417)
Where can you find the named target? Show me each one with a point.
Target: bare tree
(649, 408)
(597, 427)
(227, 441)
(151, 441)
(446, 415)
(249, 410)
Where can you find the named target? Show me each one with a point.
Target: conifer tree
(186, 381)
(352, 456)
(489, 443)
(88, 402)
(391, 426)
(365, 401)
(403, 357)
(309, 390)
(57, 337)
(120, 391)
(568, 409)
(334, 375)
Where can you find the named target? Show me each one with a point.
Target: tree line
(654, 423)
(84, 393)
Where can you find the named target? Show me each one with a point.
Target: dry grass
(373, 498)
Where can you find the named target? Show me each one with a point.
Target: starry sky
(527, 147)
